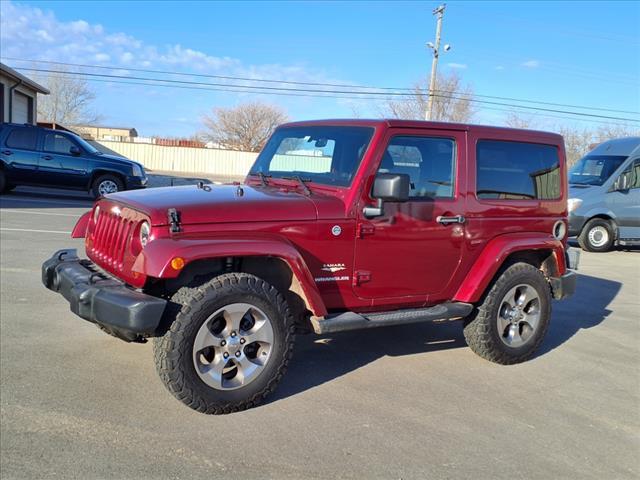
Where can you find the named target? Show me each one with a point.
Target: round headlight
(145, 231)
(96, 214)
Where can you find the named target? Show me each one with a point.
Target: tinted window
(321, 154)
(514, 170)
(594, 169)
(630, 178)
(23, 138)
(54, 142)
(428, 161)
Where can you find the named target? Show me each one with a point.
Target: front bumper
(565, 285)
(102, 299)
(134, 183)
(576, 222)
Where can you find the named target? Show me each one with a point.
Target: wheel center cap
(233, 342)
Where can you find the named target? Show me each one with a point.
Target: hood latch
(174, 220)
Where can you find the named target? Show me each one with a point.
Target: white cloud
(459, 66)
(531, 64)
(27, 32)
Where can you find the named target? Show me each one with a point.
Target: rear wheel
(228, 346)
(510, 323)
(597, 235)
(106, 184)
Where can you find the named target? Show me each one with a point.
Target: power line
(358, 98)
(339, 85)
(264, 89)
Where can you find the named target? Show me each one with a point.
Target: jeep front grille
(111, 237)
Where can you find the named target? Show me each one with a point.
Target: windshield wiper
(263, 177)
(302, 183)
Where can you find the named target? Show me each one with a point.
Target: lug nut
(225, 355)
(223, 343)
(233, 334)
(242, 340)
(238, 353)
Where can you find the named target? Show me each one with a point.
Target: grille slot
(111, 238)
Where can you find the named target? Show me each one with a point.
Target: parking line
(39, 213)
(34, 231)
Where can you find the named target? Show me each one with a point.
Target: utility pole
(435, 49)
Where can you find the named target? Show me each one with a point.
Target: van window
(631, 175)
(22, 138)
(517, 170)
(594, 169)
(429, 162)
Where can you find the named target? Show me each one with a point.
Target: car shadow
(320, 359)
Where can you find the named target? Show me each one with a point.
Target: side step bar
(353, 321)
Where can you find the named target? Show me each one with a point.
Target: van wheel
(228, 346)
(106, 184)
(512, 320)
(597, 236)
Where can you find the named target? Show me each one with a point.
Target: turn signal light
(177, 263)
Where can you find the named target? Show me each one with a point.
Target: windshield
(320, 154)
(86, 145)
(594, 169)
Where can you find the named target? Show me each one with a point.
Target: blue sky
(583, 53)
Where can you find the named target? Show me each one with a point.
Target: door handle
(7, 152)
(449, 220)
(47, 157)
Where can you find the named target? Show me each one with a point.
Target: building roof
(25, 80)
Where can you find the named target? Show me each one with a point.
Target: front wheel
(597, 236)
(510, 323)
(228, 346)
(106, 184)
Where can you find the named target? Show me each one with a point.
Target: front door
(414, 248)
(59, 165)
(625, 203)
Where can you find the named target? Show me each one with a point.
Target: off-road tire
(481, 328)
(584, 239)
(95, 186)
(191, 307)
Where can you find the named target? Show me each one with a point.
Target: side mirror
(388, 187)
(75, 151)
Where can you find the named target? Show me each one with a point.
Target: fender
(80, 230)
(155, 258)
(494, 255)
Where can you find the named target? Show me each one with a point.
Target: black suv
(31, 155)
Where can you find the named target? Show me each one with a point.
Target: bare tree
(519, 120)
(452, 102)
(579, 141)
(245, 127)
(68, 102)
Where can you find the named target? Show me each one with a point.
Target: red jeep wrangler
(339, 225)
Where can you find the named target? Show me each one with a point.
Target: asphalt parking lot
(396, 403)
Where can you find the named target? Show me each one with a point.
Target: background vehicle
(31, 155)
(340, 225)
(604, 191)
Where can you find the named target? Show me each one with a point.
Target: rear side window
(517, 171)
(22, 138)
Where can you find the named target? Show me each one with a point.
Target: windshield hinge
(174, 220)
